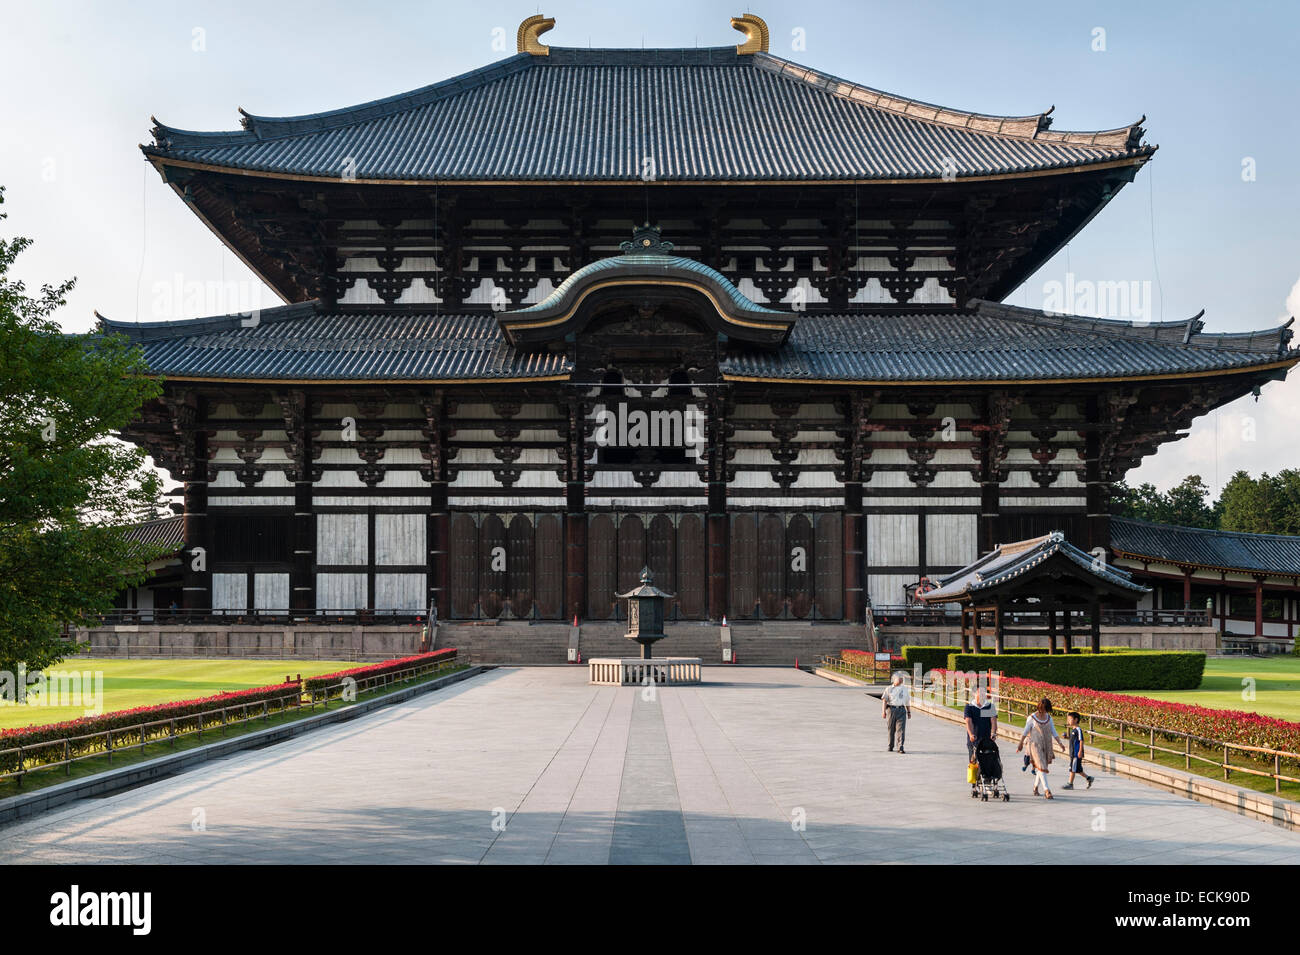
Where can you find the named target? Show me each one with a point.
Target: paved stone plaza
(534, 765)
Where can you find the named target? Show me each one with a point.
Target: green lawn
(1277, 686)
(132, 683)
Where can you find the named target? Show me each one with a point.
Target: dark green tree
(1248, 503)
(67, 486)
(1187, 504)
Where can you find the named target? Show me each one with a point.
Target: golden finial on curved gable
(755, 31)
(527, 38)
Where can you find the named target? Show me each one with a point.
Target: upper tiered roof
(615, 115)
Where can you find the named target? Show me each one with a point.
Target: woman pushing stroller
(1040, 733)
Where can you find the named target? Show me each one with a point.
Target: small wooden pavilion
(1028, 583)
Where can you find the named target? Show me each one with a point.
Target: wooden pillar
(296, 410)
(1094, 611)
(854, 600)
(998, 644)
(717, 525)
(196, 572)
(438, 520)
(575, 516)
(1051, 630)
(1259, 606)
(853, 564)
(976, 646)
(1224, 599)
(1067, 638)
(1187, 588)
(965, 629)
(987, 531)
(1095, 489)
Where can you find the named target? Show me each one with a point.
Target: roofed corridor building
(810, 269)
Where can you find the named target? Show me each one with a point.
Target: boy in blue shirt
(1074, 733)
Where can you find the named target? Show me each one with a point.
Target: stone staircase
(769, 643)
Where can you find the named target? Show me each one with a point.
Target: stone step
(771, 644)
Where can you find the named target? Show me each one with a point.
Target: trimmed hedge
(930, 657)
(1130, 670)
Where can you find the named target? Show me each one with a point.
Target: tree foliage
(1268, 504)
(1186, 504)
(67, 486)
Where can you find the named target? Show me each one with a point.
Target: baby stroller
(989, 782)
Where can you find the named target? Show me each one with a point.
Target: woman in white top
(1040, 731)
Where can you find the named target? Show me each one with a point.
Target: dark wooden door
(829, 565)
(692, 568)
(493, 565)
(631, 555)
(548, 568)
(463, 553)
(800, 565)
(519, 563)
(602, 561)
(661, 558)
(771, 565)
(743, 565)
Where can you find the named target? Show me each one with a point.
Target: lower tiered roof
(986, 343)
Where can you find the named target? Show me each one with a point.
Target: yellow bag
(972, 773)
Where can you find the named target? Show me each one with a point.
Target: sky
(1209, 224)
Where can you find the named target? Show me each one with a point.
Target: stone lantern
(645, 613)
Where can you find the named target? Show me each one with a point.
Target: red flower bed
(1223, 726)
(866, 656)
(124, 725)
(377, 669)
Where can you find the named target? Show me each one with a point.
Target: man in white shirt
(896, 706)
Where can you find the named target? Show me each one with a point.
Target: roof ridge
(1262, 341)
(1213, 531)
(1032, 126)
(262, 128)
(205, 325)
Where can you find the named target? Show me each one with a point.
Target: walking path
(533, 765)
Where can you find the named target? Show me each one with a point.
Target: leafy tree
(1141, 502)
(1186, 504)
(66, 485)
(1248, 503)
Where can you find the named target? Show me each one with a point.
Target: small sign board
(882, 657)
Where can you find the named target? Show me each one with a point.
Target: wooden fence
(1143, 736)
(60, 752)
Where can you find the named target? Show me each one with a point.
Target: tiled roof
(989, 343)
(999, 342)
(300, 342)
(168, 531)
(1230, 550)
(646, 261)
(697, 114)
(1008, 561)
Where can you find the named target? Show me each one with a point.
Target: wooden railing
(168, 616)
(1143, 736)
(36, 756)
(873, 671)
(925, 616)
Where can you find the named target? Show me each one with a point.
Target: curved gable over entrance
(646, 271)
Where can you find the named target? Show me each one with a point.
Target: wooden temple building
(1031, 587)
(708, 311)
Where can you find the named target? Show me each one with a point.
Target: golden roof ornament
(755, 31)
(526, 39)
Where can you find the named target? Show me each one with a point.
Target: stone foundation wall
(1141, 638)
(318, 642)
